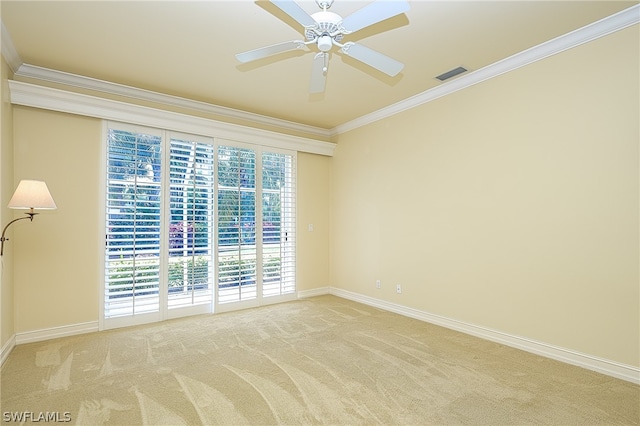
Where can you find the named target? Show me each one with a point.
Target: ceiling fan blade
(372, 58)
(263, 52)
(292, 9)
(319, 73)
(373, 13)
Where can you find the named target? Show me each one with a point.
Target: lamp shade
(32, 194)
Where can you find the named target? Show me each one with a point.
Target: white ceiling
(187, 49)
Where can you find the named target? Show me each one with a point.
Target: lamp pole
(30, 215)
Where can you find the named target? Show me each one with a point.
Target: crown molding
(82, 82)
(9, 51)
(33, 95)
(601, 28)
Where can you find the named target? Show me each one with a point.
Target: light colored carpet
(323, 360)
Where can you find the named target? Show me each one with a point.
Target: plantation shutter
(237, 255)
(278, 224)
(191, 224)
(133, 214)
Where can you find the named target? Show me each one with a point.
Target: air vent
(447, 75)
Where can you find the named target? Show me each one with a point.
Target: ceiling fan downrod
(324, 4)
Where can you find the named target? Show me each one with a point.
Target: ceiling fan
(326, 29)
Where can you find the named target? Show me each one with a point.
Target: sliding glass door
(256, 225)
(193, 226)
(190, 262)
(237, 250)
(278, 224)
(133, 224)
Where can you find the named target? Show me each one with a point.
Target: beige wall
(313, 209)
(57, 257)
(511, 205)
(7, 325)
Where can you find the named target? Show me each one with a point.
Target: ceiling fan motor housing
(328, 23)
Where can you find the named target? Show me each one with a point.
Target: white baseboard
(7, 348)
(55, 332)
(313, 292)
(600, 365)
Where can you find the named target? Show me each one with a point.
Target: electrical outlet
(398, 288)
(378, 285)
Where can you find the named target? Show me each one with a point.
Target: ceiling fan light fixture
(325, 43)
